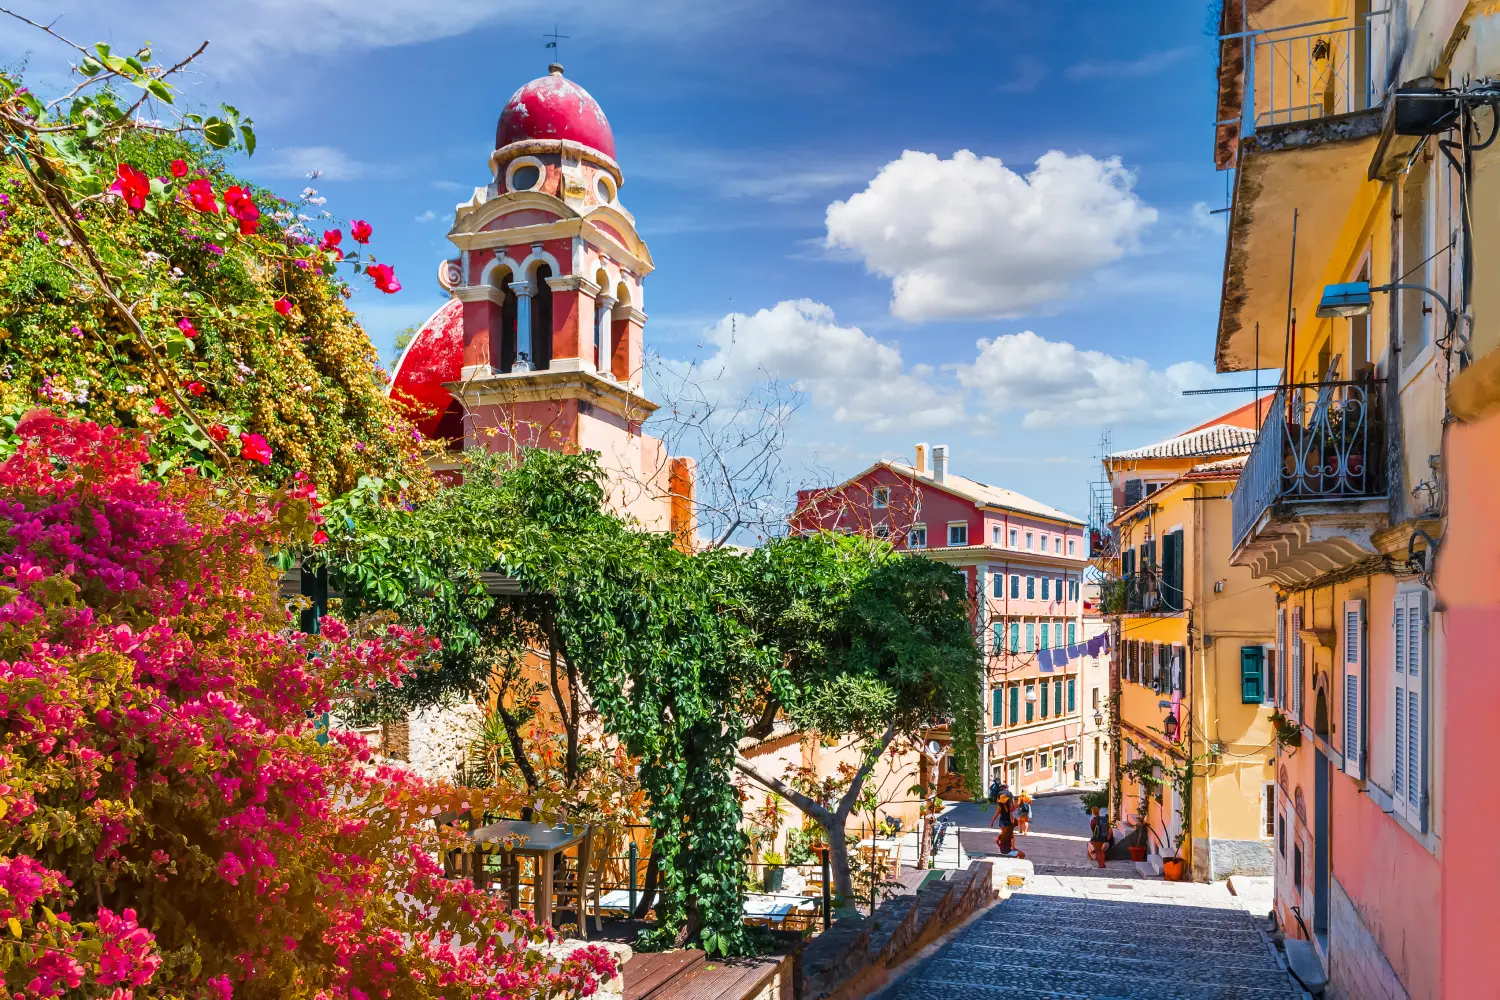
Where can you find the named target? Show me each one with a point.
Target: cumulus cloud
(967, 237)
(1054, 383)
(328, 162)
(842, 370)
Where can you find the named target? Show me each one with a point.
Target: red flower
(237, 202)
(188, 329)
(254, 448)
(196, 388)
(132, 185)
(320, 536)
(330, 244)
(201, 194)
(360, 230)
(179, 168)
(385, 278)
(218, 432)
(284, 306)
(160, 408)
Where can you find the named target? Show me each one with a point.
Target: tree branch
(807, 804)
(846, 805)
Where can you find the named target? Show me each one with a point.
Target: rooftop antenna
(557, 55)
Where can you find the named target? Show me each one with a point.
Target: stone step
(935, 990)
(1105, 983)
(1110, 920)
(1236, 969)
(1127, 911)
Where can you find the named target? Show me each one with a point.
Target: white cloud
(426, 216)
(1053, 383)
(843, 370)
(968, 237)
(331, 163)
(1147, 65)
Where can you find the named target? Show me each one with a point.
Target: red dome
(554, 107)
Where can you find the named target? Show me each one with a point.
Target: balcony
(1314, 489)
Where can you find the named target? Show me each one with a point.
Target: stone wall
(1239, 857)
(1357, 968)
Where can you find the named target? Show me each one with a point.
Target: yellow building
(1190, 678)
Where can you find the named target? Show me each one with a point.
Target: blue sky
(903, 313)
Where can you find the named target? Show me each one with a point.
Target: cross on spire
(553, 43)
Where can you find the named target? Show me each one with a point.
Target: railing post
(827, 895)
(1247, 115)
(635, 857)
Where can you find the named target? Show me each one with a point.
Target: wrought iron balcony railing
(1322, 441)
(1325, 70)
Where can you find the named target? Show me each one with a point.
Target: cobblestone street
(1079, 932)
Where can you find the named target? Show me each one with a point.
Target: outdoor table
(772, 909)
(541, 842)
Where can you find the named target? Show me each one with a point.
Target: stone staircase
(1081, 938)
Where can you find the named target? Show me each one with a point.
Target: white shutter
(1354, 660)
(1417, 690)
(1294, 702)
(1398, 773)
(1281, 699)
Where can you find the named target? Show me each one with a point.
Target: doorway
(1321, 784)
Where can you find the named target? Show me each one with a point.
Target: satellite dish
(934, 747)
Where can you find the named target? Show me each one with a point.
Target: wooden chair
(577, 884)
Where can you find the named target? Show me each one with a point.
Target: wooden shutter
(1252, 665)
(1072, 704)
(1354, 687)
(1015, 704)
(1132, 492)
(1057, 701)
(1398, 771)
(1413, 662)
(996, 706)
(1281, 699)
(1294, 697)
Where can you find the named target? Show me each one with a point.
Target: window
(1030, 764)
(998, 584)
(996, 706)
(1268, 809)
(1281, 834)
(1015, 637)
(958, 534)
(1015, 586)
(1072, 695)
(1046, 644)
(1353, 636)
(1031, 588)
(1294, 696)
(1043, 543)
(1045, 761)
(1046, 702)
(1015, 704)
(1029, 538)
(1152, 488)
(1252, 665)
(1071, 754)
(1031, 637)
(882, 531)
(1171, 571)
(1094, 700)
(1272, 691)
(916, 538)
(1058, 588)
(1072, 633)
(1013, 534)
(999, 631)
(995, 534)
(1297, 868)
(1416, 228)
(1044, 588)
(1409, 785)
(1073, 589)
(1030, 702)
(1072, 546)
(1057, 701)
(882, 497)
(1281, 657)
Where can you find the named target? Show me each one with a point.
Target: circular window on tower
(525, 177)
(606, 190)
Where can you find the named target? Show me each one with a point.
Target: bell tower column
(603, 333)
(480, 316)
(572, 322)
(523, 292)
(626, 353)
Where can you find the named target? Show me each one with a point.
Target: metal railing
(1323, 72)
(1320, 441)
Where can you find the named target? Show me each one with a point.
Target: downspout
(1198, 697)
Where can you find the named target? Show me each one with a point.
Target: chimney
(939, 462)
(921, 465)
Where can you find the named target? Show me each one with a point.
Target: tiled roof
(1223, 464)
(971, 489)
(1220, 439)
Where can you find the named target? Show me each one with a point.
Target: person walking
(1023, 814)
(1098, 837)
(1005, 804)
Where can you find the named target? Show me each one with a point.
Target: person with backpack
(1004, 805)
(1023, 814)
(1098, 837)
(995, 787)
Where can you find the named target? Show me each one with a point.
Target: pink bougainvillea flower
(188, 329)
(41, 234)
(360, 230)
(179, 168)
(132, 185)
(218, 432)
(283, 305)
(254, 448)
(385, 278)
(160, 408)
(319, 537)
(237, 202)
(201, 193)
(196, 388)
(330, 243)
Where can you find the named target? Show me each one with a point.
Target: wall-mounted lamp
(1169, 727)
(1098, 718)
(1354, 298)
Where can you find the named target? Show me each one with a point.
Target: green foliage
(1097, 799)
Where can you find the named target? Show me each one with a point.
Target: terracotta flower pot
(1137, 854)
(1174, 869)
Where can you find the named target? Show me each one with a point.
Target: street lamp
(1169, 727)
(1353, 298)
(1098, 718)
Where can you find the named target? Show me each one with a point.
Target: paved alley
(1079, 932)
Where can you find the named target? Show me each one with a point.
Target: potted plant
(1175, 868)
(774, 872)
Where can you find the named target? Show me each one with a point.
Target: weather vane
(553, 44)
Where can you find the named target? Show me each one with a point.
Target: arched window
(541, 319)
(503, 327)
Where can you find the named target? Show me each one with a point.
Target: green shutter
(1031, 637)
(1072, 633)
(1030, 705)
(1251, 678)
(1015, 635)
(995, 706)
(1057, 697)
(1046, 644)
(1072, 684)
(999, 630)
(1015, 704)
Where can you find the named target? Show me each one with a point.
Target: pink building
(1024, 561)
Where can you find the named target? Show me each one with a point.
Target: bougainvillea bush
(170, 825)
(143, 285)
